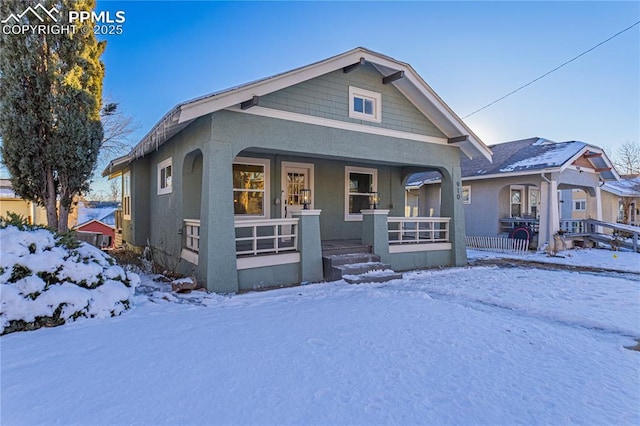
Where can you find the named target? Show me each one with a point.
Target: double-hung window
(360, 184)
(164, 176)
(250, 187)
(365, 104)
(517, 200)
(466, 194)
(126, 195)
(580, 205)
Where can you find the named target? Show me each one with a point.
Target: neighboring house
(104, 211)
(218, 187)
(98, 233)
(621, 201)
(12, 203)
(531, 182)
(102, 217)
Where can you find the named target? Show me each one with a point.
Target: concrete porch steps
(374, 276)
(357, 268)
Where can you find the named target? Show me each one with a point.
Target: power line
(549, 72)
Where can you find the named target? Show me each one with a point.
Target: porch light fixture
(305, 194)
(374, 200)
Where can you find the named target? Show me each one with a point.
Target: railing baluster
(276, 236)
(424, 230)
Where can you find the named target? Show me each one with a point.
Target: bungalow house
(250, 186)
(524, 186)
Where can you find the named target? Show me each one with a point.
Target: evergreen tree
(50, 100)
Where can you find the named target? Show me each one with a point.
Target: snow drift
(47, 280)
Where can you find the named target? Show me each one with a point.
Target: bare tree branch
(118, 129)
(627, 158)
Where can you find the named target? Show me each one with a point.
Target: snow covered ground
(476, 345)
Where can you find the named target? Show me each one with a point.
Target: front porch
(288, 251)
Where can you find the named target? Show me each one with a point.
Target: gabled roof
(102, 214)
(627, 186)
(412, 86)
(96, 221)
(530, 156)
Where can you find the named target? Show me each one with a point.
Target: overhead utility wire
(549, 72)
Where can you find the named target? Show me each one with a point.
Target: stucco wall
(34, 214)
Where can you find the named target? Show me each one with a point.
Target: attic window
(365, 105)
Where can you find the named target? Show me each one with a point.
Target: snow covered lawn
(481, 345)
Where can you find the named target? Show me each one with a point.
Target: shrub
(48, 279)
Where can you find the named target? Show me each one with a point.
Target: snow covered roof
(105, 215)
(627, 186)
(533, 155)
(411, 85)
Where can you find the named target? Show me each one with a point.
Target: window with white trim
(360, 183)
(250, 187)
(517, 200)
(466, 194)
(126, 195)
(580, 205)
(365, 104)
(165, 173)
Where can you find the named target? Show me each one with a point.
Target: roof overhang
(117, 166)
(399, 74)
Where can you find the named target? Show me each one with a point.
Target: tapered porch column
(217, 257)
(451, 206)
(309, 245)
(375, 232)
(549, 215)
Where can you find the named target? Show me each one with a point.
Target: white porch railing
(263, 236)
(573, 226)
(192, 234)
(413, 230)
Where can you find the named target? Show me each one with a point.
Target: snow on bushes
(47, 280)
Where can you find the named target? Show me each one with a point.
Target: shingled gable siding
(327, 96)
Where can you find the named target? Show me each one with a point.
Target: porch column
(599, 208)
(451, 206)
(375, 231)
(309, 245)
(217, 257)
(549, 215)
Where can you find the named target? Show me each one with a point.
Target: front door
(295, 177)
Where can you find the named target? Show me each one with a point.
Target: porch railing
(192, 234)
(573, 226)
(263, 236)
(507, 224)
(412, 230)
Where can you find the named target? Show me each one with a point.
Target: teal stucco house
(250, 187)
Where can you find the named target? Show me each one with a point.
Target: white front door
(295, 177)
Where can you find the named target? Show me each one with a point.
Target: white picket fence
(500, 244)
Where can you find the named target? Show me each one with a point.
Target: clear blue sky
(470, 53)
